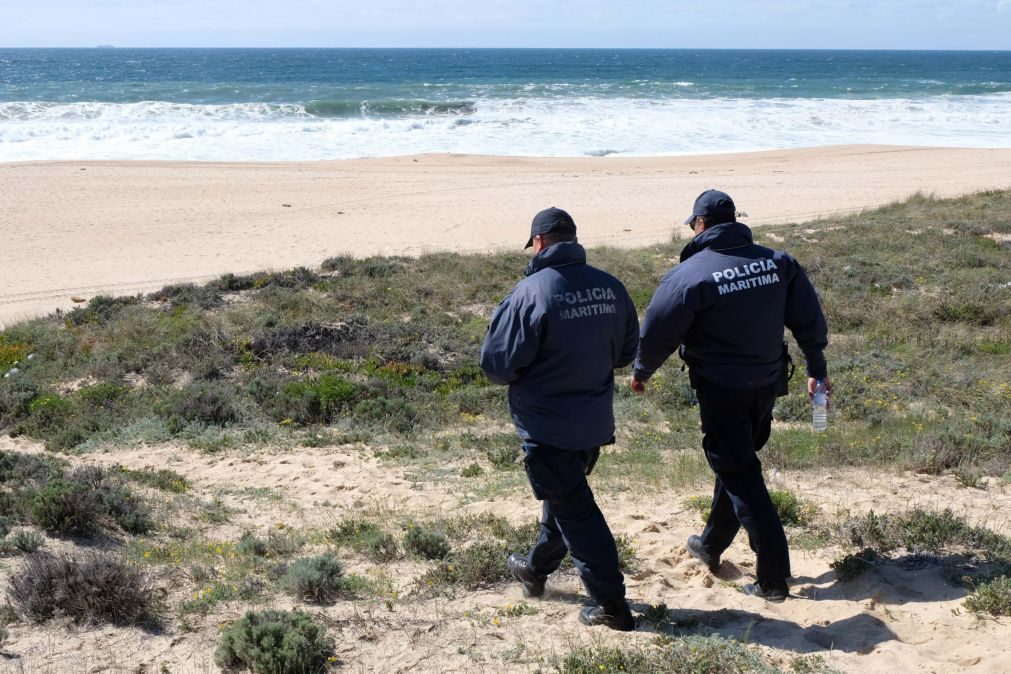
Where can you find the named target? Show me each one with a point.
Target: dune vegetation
(378, 357)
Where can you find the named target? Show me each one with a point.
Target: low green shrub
(501, 449)
(657, 616)
(467, 528)
(626, 552)
(316, 579)
(100, 310)
(315, 400)
(339, 263)
(517, 610)
(993, 598)
(683, 655)
(478, 400)
(27, 470)
(84, 501)
(50, 418)
(852, 566)
(275, 642)
(16, 397)
(926, 531)
(188, 294)
(284, 542)
(160, 478)
(792, 511)
(381, 548)
(425, 544)
(212, 403)
(101, 395)
(130, 513)
(968, 477)
(217, 591)
(299, 278)
(215, 511)
(373, 267)
(119, 503)
(394, 414)
(811, 664)
(700, 504)
(401, 452)
(67, 507)
(251, 545)
(14, 506)
(21, 542)
(672, 391)
(483, 562)
(473, 567)
(503, 458)
(365, 537)
(471, 470)
(232, 283)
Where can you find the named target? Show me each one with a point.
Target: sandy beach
(79, 229)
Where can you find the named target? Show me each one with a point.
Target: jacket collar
(719, 237)
(558, 255)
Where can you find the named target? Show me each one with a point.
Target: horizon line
(113, 47)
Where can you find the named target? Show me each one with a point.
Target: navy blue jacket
(727, 303)
(555, 340)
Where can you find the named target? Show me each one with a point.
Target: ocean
(314, 104)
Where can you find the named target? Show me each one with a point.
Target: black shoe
(613, 614)
(696, 550)
(519, 568)
(774, 592)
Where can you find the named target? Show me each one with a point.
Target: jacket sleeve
(513, 340)
(631, 344)
(668, 318)
(806, 321)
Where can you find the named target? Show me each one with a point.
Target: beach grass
(687, 654)
(383, 351)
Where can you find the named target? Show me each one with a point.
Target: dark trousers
(736, 424)
(571, 521)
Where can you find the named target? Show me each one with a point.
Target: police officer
(555, 340)
(725, 305)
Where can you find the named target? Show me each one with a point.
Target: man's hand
(812, 382)
(636, 385)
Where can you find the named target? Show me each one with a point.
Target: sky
(758, 24)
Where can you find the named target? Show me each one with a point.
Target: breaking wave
(518, 126)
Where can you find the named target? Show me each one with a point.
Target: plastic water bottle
(819, 420)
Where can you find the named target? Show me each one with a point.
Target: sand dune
(903, 617)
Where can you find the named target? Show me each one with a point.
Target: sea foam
(532, 126)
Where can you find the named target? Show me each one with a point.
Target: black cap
(551, 221)
(715, 206)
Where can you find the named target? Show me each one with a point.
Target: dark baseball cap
(551, 221)
(715, 206)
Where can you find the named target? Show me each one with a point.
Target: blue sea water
(296, 104)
